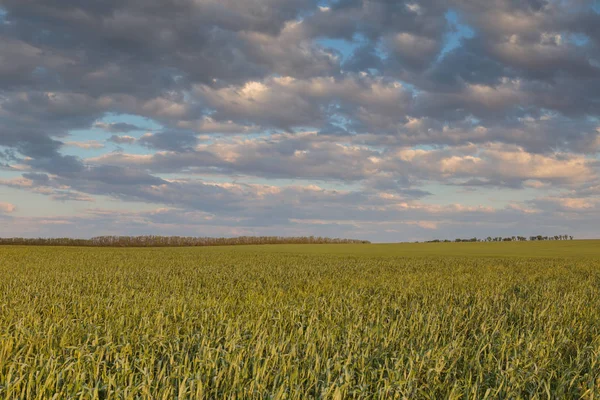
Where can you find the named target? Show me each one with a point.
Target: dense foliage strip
(174, 241)
(288, 322)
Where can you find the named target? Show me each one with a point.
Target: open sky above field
(374, 119)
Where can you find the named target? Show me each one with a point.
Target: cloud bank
(378, 119)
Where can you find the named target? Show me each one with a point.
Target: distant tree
(506, 239)
(173, 241)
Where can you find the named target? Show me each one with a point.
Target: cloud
(209, 125)
(174, 141)
(72, 196)
(7, 207)
(285, 102)
(413, 50)
(276, 116)
(117, 127)
(122, 139)
(497, 165)
(199, 207)
(87, 145)
(329, 158)
(278, 156)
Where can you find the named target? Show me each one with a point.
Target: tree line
(175, 241)
(506, 239)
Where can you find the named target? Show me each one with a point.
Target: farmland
(439, 320)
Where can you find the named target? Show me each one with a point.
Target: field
(431, 321)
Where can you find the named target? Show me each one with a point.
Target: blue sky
(387, 121)
(458, 31)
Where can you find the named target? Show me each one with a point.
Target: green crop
(294, 322)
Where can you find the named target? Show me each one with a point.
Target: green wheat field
(406, 321)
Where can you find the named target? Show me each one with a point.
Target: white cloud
(259, 121)
(87, 145)
(7, 207)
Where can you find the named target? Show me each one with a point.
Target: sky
(372, 119)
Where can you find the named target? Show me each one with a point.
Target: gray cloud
(122, 139)
(296, 210)
(364, 94)
(174, 141)
(117, 127)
